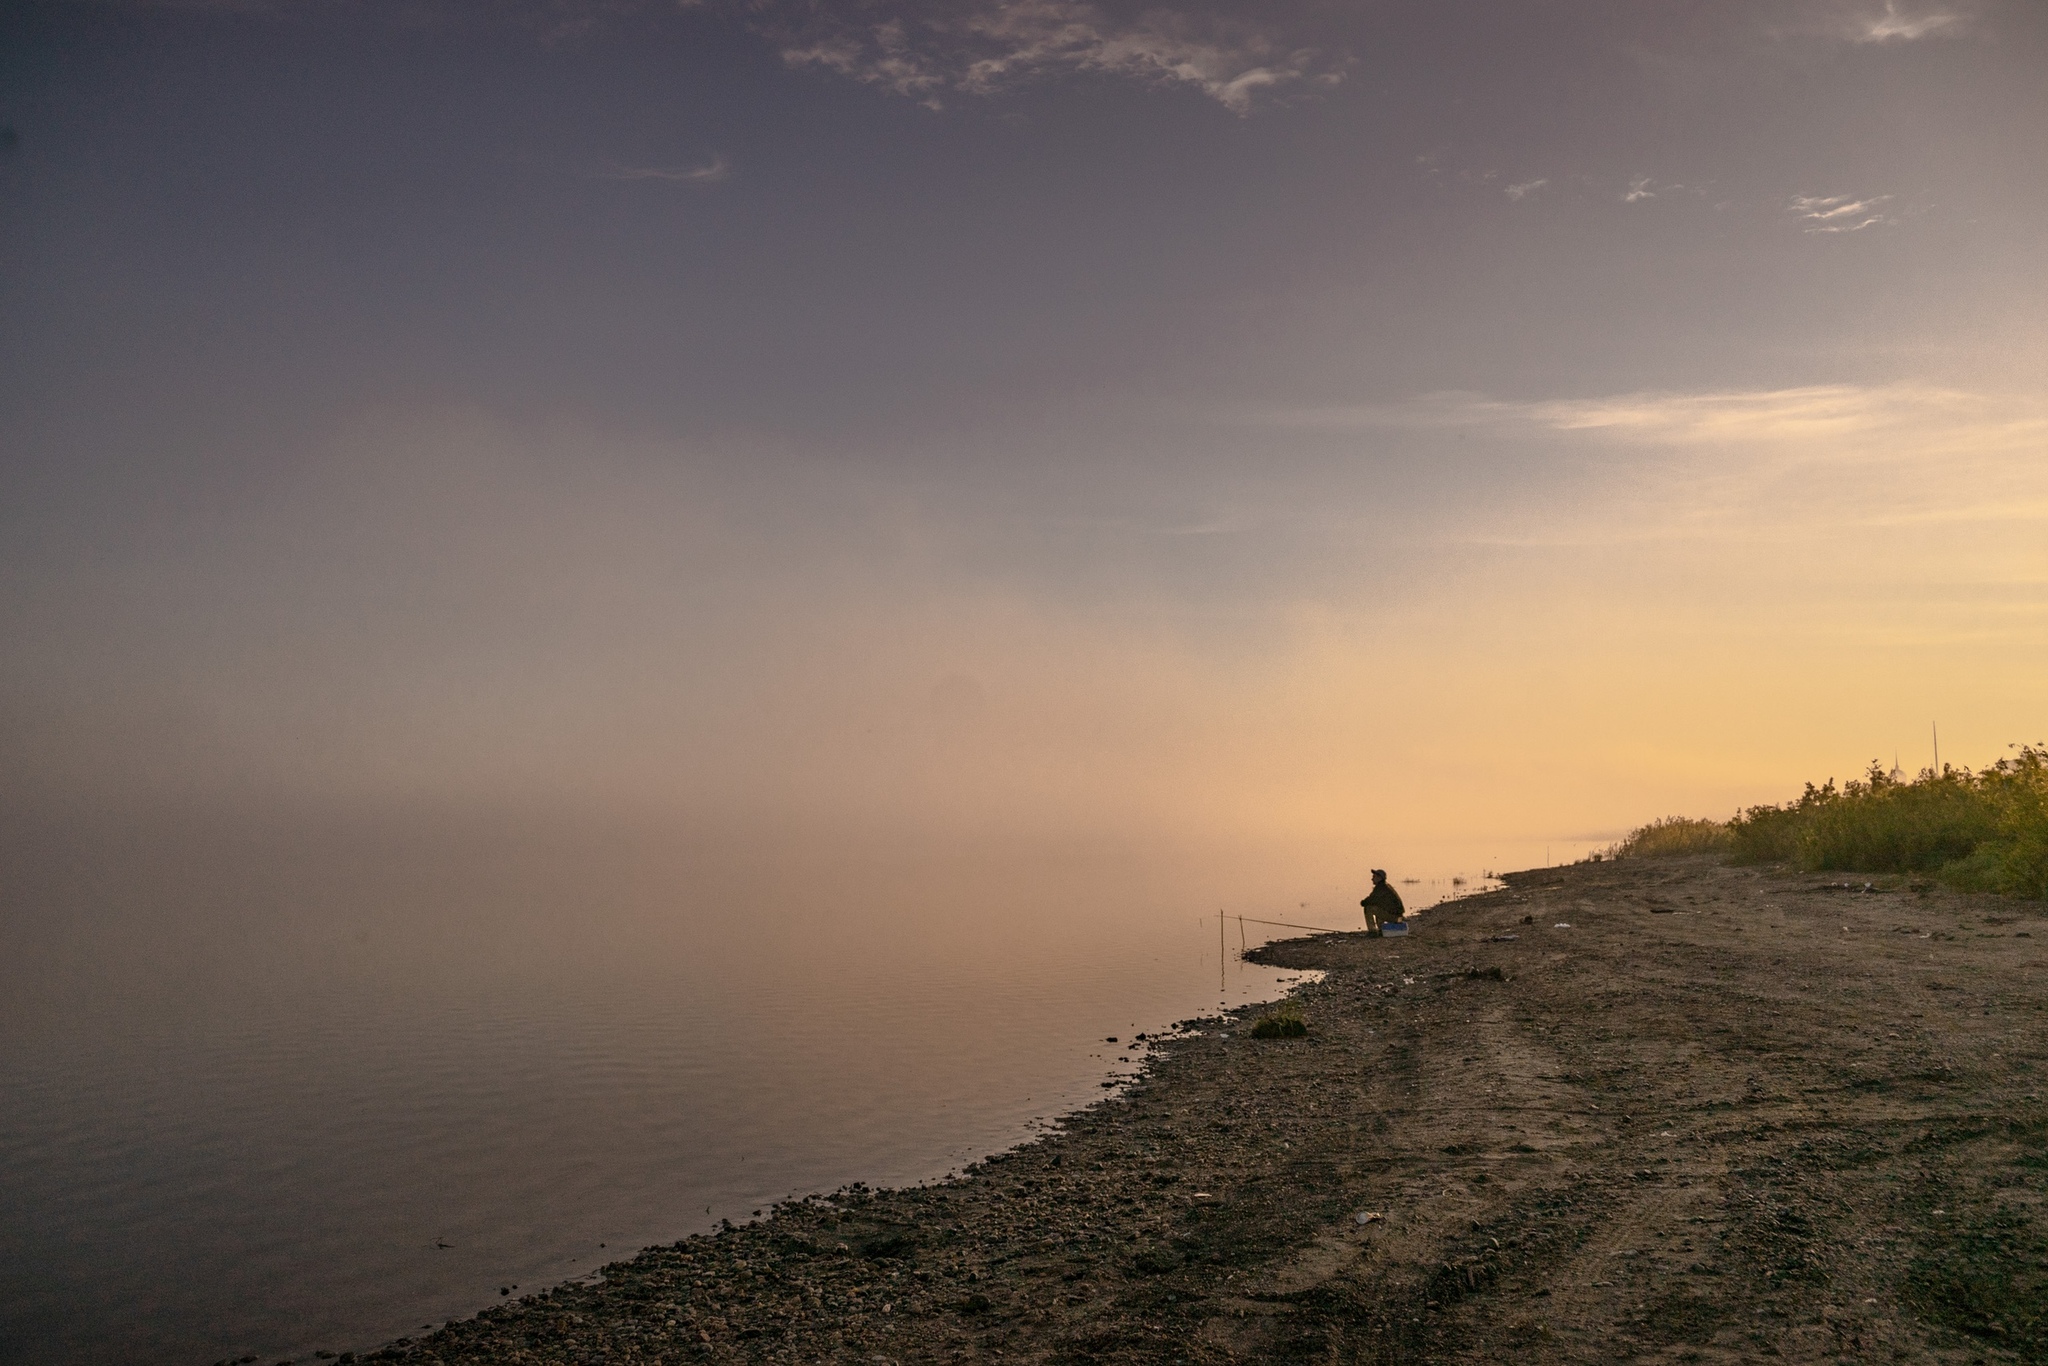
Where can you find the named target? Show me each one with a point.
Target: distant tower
(1898, 774)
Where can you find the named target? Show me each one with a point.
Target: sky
(1302, 426)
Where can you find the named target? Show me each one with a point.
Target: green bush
(1284, 1023)
(1982, 870)
(1983, 831)
(1770, 834)
(1882, 824)
(2020, 786)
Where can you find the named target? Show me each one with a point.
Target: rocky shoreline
(1647, 1110)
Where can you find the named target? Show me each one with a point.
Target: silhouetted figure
(1383, 904)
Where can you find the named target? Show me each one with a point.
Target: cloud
(1525, 189)
(1859, 484)
(1872, 22)
(711, 173)
(1809, 417)
(1895, 25)
(1882, 492)
(1643, 187)
(1811, 413)
(925, 51)
(1838, 213)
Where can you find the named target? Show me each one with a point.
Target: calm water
(267, 1089)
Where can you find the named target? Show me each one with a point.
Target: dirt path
(1727, 1115)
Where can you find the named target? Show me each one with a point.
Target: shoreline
(1694, 1125)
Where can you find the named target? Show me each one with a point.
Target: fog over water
(273, 1087)
(612, 609)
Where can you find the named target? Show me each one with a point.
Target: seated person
(1383, 904)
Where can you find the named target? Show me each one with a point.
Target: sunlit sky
(1293, 424)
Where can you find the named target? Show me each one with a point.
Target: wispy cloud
(1815, 470)
(1868, 22)
(1839, 213)
(1809, 416)
(925, 50)
(1812, 413)
(1897, 25)
(1525, 189)
(711, 173)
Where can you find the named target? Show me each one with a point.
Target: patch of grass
(1284, 1023)
(1983, 831)
(1981, 870)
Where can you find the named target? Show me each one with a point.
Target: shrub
(1674, 836)
(1983, 831)
(2019, 790)
(1284, 1023)
(1884, 825)
(1770, 834)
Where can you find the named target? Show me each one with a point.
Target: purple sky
(1268, 422)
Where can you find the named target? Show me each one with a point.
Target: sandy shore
(1727, 1115)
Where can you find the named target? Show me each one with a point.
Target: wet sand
(1727, 1115)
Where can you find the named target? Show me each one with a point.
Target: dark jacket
(1384, 903)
